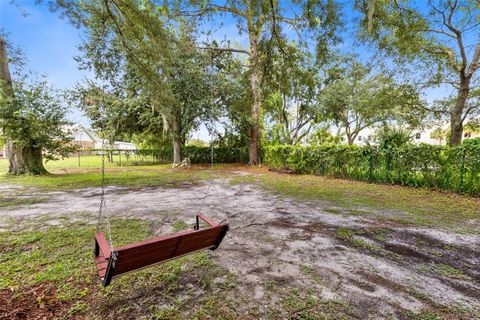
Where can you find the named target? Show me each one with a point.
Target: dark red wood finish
(160, 249)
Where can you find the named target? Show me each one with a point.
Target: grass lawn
(87, 162)
(54, 263)
(421, 207)
(66, 174)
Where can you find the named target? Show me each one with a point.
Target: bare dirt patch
(379, 270)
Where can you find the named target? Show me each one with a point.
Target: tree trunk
(350, 139)
(4, 71)
(351, 134)
(176, 142)
(25, 160)
(257, 101)
(5, 82)
(177, 151)
(456, 116)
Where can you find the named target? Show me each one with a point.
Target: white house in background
(123, 145)
(86, 139)
(82, 137)
(427, 135)
(368, 136)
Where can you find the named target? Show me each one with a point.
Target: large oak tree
(32, 119)
(265, 24)
(148, 57)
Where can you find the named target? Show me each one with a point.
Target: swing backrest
(149, 252)
(142, 254)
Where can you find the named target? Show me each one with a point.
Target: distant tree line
(159, 76)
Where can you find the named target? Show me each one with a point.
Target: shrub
(468, 142)
(393, 137)
(456, 169)
(197, 154)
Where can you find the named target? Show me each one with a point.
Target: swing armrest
(101, 246)
(207, 220)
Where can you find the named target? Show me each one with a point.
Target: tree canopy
(356, 98)
(442, 38)
(160, 73)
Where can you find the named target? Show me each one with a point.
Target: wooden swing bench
(117, 261)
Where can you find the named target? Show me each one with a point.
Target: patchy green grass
(351, 236)
(180, 225)
(445, 270)
(424, 315)
(66, 174)
(347, 211)
(94, 161)
(381, 234)
(449, 271)
(305, 304)
(53, 268)
(56, 254)
(20, 201)
(243, 179)
(85, 162)
(3, 165)
(410, 206)
(127, 176)
(311, 273)
(441, 313)
(58, 258)
(404, 205)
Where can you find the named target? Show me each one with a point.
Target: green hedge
(220, 154)
(456, 169)
(194, 153)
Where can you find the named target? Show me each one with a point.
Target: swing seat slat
(142, 254)
(102, 244)
(101, 263)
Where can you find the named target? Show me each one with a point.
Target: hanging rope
(212, 130)
(103, 202)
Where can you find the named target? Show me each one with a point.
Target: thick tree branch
(213, 8)
(474, 64)
(451, 35)
(448, 53)
(433, 110)
(467, 112)
(227, 49)
(129, 52)
(402, 8)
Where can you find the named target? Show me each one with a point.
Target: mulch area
(37, 302)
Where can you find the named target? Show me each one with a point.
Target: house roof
(79, 128)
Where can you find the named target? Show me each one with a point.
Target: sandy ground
(379, 269)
